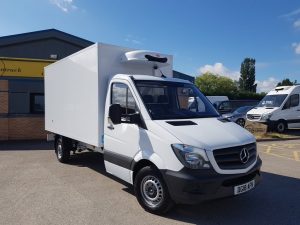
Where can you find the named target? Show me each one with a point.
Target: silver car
(239, 115)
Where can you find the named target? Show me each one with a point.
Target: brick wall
(3, 109)
(22, 128)
(3, 129)
(3, 96)
(18, 128)
(3, 85)
(3, 102)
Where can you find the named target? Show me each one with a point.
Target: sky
(202, 35)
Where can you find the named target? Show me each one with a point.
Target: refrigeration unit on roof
(147, 57)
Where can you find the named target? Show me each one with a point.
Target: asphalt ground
(36, 189)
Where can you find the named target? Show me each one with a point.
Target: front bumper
(258, 120)
(193, 186)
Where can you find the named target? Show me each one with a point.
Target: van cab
(198, 154)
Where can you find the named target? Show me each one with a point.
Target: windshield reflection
(173, 100)
(272, 101)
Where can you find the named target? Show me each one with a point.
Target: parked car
(231, 105)
(239, 115)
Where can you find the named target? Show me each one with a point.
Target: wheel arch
(137, 166)
(282, 120)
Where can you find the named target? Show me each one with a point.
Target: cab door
(121, 141)
(291, 111)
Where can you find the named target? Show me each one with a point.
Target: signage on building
(13, 67)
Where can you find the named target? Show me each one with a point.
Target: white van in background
(279, 109)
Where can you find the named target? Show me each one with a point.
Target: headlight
(191, 157)
(266, 116)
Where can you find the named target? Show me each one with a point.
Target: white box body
(76, 88)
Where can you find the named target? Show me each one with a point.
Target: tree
(247, 78)
(286, 82)
(213, 84)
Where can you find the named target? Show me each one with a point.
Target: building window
(37, 103)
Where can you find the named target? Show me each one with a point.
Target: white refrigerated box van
(125, 104)
(279, 109)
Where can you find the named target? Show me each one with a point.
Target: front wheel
(281, 126)
(151, 191)
(241, 122)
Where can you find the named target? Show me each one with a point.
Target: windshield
(172, 100)
(243, 109)
(272, 101)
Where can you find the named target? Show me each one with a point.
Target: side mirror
(115, 113)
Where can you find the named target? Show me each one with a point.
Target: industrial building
(22, 61)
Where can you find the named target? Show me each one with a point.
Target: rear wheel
(151, 191)
(281, 126)
(62, 149)
(241, 122)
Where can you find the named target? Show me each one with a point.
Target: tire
(62, 149)
(151, 191)
(241, 122)
(281, 126)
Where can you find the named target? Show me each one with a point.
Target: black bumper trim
(118, 159)
(194, 186)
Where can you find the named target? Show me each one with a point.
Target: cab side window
(292, 101)
(121, 94)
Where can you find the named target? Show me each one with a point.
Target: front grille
(253, 116)
(230, 158)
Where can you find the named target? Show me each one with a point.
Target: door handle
(111, 127)
(298, 109)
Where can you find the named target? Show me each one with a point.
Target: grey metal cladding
(26, 85)
(19, 103)
(41, 44)
(44, 34)
(40, 49)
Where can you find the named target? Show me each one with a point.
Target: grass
(273, 135)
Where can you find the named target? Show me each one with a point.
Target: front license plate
(244, 187)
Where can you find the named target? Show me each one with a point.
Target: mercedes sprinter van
(279, 109)
(125, 104)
